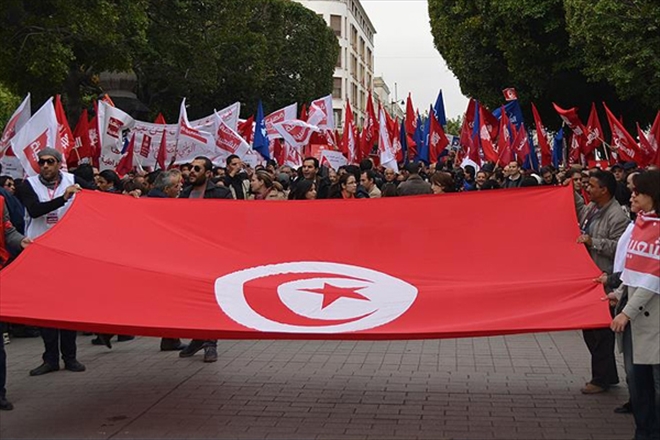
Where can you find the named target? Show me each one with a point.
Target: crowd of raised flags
(112, 139)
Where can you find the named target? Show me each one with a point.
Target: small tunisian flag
(295, 291)
(125, 165)
(542, 136)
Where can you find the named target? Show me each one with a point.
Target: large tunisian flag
(334, 269)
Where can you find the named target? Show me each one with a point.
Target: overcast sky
(405, 55)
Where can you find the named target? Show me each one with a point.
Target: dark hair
(529, 181)
(336, 188)
(366, 164)
(271, 163)
(313, 159)
(371, 175)
(300, 189)
(208, 165)
(153, 176)
(490, 184)
(388, 190)
(85, 171)
(648, 183)
(605, 179)
(185, 165)
(443, 180)
(229, 159)
(113, 178)
(354, 170)
(470, 171)
(4, 179)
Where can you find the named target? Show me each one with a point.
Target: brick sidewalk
(513, 387)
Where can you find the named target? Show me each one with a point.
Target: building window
(369, 60)
(354, 62)
(335, 24)
(354, 93)
(338, 120)
(336, 88)
(354, 37)
(339, 59)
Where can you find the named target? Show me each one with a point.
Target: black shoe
(5, 405)
(102, 340)
(626, 408)
(74, 366)
(124, 338)
(210, 354)
(44, 369)
(192, 348)
(168, 344)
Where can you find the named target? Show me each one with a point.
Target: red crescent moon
(258, 294)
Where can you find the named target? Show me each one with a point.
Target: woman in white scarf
(641, 275)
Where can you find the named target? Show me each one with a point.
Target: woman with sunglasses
(641, 275)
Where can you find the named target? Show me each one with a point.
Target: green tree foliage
(494, 44)
(620, 41)
(454, 125)
(8, 103)
(56, 46)
(212, 52)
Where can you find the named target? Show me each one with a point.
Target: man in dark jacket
(201, 187)
(414, 184)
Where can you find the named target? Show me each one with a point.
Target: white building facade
(354, 72)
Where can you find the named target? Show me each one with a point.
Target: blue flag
(439, 110)
(404, 141)
(558, 148)
(419, 138)
(260, 142)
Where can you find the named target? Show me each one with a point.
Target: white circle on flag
(327, 298)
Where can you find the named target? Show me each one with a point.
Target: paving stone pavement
(506, 387)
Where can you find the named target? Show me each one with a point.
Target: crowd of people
(610, 205)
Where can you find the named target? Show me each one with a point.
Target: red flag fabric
(437, 138)
(349, 145)
(125, 165)
(510, 94)
(646, 150)
(82, 146)
(94, 137)
(574, 150)
(521, 144)
(411, 117)
(369, 129)
(622, 142)
(303, 113)
(542, 135)
(489, 121)
(65, 140)
(654, 135)
(571, 118)
(161, 157)
(160, 119)
(504, 141)
(594, 132)
(485, 138)
(333, 294)
(246, 129)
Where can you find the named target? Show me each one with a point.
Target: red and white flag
(82, 146)
(65, 141)
(542, 138)
(292, 156)
(385, 149)
(112, 124)
(228, 114)
(348, 143)
(571, 118)
(229, 142)
(20, 117)
(190, 141)
(321, 113)
(437, 138)
(485, 135)
(127, 161)
(287, 113)
(654, 140)
(290, 290)
(11, 165)
(369, 129)
(594, 132)
(39, 132)
(295, 132)
(521, 144)
(622, 142)
(504, 141)
(510, 94)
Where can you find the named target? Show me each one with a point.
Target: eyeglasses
(43, 162)
(9, 185)
(196, 168)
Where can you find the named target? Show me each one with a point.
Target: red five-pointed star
(333, 293)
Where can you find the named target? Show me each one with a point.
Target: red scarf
(4, 225)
